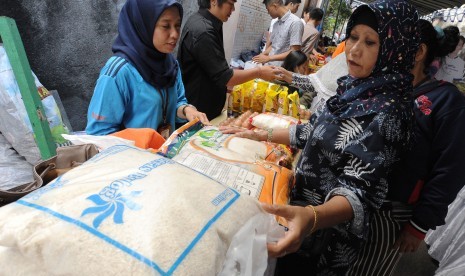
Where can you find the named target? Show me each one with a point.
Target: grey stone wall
(67, 42)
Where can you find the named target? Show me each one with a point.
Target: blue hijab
(391, 77)
(134, 42)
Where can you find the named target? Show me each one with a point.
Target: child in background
(298, 62)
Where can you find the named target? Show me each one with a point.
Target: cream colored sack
(124, 212)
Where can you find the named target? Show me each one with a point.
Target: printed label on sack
(236, 177)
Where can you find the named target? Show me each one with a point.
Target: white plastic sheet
(14, 169)
(447, 242)
(247, 254)
(14, 120)
(324, 81)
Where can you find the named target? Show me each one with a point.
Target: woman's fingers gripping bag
(124, 212)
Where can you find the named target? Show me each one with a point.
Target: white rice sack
(228, 147)
(273, 120)
(126, 211)
(236, 162)
(13, 263)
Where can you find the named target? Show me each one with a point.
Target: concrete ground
(416, 264)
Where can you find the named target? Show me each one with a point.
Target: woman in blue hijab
(349, 149)
(140, 86)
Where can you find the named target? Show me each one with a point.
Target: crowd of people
(380, 161)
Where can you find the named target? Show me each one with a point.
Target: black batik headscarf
(136, 26)
(398, 38)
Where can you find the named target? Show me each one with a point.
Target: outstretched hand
(284, 75)
(299, 222)
(269, 73)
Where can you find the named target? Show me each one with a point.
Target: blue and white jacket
(123, 99)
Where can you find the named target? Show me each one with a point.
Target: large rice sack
(237, 162)
(126, 211)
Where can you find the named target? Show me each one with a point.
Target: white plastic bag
(272, 120)
(447, 242)
(14, 121)
(325, 81)
(247, 254)
(14, 169)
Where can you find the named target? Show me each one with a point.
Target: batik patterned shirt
(350, 157)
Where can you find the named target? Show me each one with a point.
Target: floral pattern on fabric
(349, 148)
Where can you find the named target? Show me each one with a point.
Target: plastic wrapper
(272, 120)
(236, 98)
(294, 104)
(245, 254)
(14, 169)
(248, 166)
(325, 81)
(447, 242)
(121, 213)
(271, 100)
(248, 91)
(258, 98)
(14, 120)
(283, 102)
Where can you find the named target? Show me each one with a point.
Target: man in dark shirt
(205, 71)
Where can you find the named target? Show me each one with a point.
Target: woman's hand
(299, 221)
(260, 135)
(284, 75)
(192, 113)
(269, 73)
(313, 59)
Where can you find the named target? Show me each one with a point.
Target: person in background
(312, 17)
(452, 66)
(322, 82)
(428, 179)
(293, 6)
(349, 149)
(205, 71)
(140, 86)
(321, 48)
(296, 62)
(286, 35)
(449, 34)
